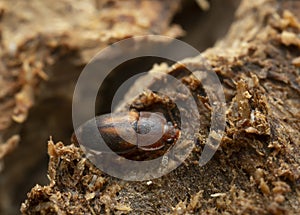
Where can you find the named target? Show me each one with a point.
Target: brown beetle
(129, 134)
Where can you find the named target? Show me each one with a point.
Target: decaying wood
(27, 51)
(36, 37)
(256, 170)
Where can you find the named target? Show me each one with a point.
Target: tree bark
(256, 169)
(44, 46)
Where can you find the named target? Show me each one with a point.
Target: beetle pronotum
(129, 133)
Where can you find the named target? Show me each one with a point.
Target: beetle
(129, 134)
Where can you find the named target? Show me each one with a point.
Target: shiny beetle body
(129, 133)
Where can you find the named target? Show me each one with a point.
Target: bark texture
(44, 45)
(256, 169)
